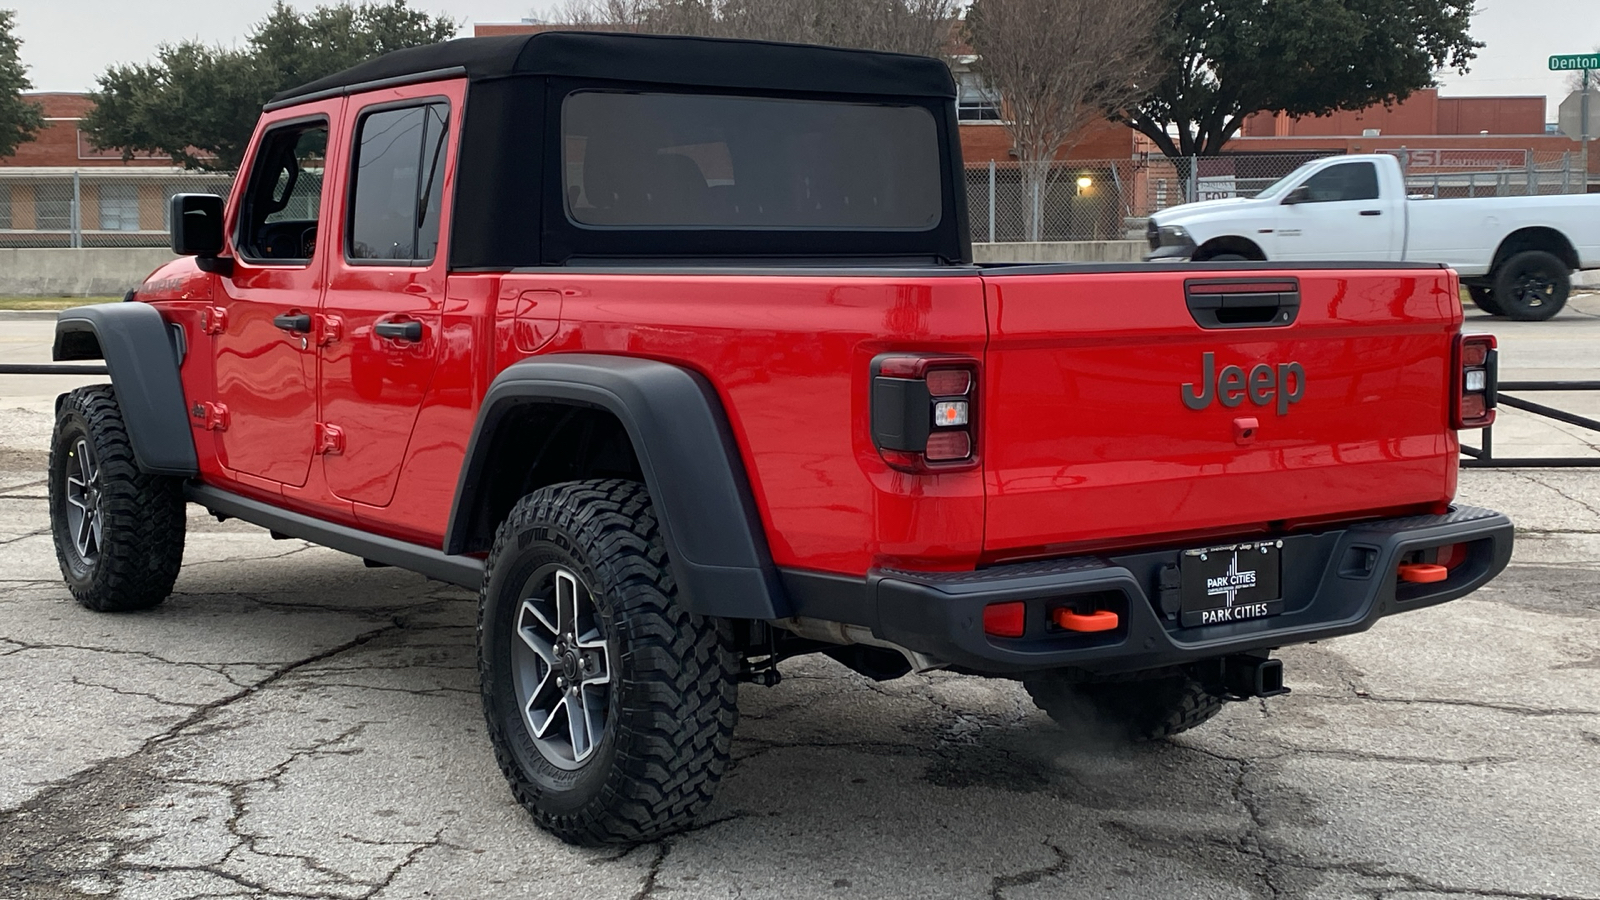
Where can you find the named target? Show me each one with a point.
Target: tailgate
(1101, 423)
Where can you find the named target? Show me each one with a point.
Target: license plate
(1230, 584)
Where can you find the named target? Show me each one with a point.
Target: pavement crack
(1000, 883)
(1558, 491)
(180, 729)
(23, 537)
(653, 873)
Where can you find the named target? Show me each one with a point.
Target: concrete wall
(84, 272)
(1064, 251)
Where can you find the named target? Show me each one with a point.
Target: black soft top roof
(650, 58)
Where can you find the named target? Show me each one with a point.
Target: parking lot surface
(293, 724)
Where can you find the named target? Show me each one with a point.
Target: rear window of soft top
(664, 160)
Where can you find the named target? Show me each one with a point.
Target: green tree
(1228, 59)
(198, 104)
(20, 119)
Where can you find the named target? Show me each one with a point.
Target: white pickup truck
(1515, 255)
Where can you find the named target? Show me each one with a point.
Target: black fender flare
(142, 358)
(716, 545)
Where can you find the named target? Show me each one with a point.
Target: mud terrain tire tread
(679, 670)
(1142, 710)
(142, 515)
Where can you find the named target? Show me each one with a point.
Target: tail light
(925, 412)
(1473, 400)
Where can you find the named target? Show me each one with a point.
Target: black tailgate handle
(1243, 302)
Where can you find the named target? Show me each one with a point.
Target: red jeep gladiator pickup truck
(674, 349)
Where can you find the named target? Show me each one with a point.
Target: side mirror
(196, 231)
(1301, 194)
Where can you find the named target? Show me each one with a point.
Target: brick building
(58, 190)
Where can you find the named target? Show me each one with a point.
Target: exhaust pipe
(1244, 677)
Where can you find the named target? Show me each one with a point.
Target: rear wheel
(610, 708)
(1532, 286)
(118, 530)
(1141, 710)
(1227, 257)
(1483, 298)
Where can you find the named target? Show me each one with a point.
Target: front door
(263, 312)
(1339, 217)
(386, 286)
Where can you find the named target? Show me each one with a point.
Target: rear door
(1341, 217)
(261, 320)
(1113, 413)
(380, 331)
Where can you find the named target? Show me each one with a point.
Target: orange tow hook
(1423, 573)
(1099, 620)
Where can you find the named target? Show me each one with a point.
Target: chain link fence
(95, 207)
(1111, 199)
(1077, 200)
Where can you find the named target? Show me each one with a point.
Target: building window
(52, 207)
(119, 207)
(975, 100)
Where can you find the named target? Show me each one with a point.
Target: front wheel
(118, 530)
(610, 708)
(1532, 286)
(1141, 710)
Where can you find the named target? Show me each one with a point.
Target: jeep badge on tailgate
(1233, 385)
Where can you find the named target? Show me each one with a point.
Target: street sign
(1571, 116)
(1572, 62)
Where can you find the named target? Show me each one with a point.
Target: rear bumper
(1334, 582)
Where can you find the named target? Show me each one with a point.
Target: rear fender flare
(142, 358)
(715, 542)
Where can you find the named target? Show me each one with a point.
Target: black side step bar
(464, 571)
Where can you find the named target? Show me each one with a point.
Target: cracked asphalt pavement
(291, 724)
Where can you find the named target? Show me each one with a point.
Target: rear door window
(398, 184)
(657, 160)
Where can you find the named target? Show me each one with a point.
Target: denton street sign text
(1572, 62)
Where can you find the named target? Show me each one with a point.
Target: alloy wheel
(83, 502)
(562, 662)
(1535, 290)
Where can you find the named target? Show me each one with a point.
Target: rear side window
(1346, 181)
(398, 183)
(278, 222)
(656, 160)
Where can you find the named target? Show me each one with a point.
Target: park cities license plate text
(1230, 584)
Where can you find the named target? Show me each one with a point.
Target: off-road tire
(1138, 710)
(139, 549)
(671, 703)
(1532, 286)
(1483, 298)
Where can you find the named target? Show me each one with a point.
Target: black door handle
(293, 322)
(399, 331)
(1372, 212)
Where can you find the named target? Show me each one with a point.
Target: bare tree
(1058, 65)
(905, 26)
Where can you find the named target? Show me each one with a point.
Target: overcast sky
(67, 42)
